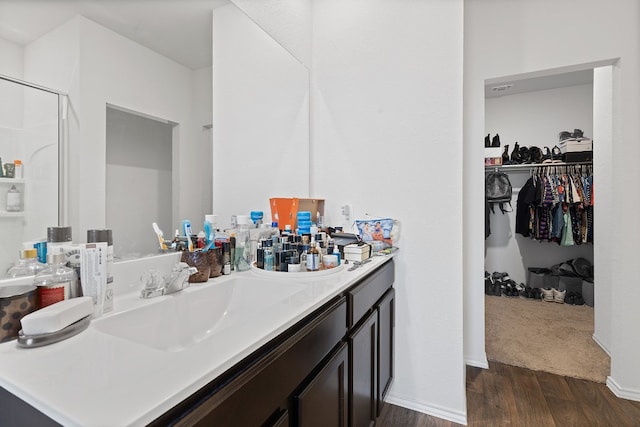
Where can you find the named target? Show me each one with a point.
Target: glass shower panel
(28, 133)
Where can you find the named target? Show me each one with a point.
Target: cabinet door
(386, 324)
(363, 386)
(281, 420)
(322, 402)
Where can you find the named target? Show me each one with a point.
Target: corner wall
(386, 137)
(508, 38)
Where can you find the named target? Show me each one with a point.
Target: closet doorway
(532, 110)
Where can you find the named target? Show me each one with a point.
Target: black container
(260, 258)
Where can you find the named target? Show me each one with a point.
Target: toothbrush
(163, 246)
(187, 232)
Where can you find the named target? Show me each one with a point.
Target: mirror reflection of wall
(138, 181)
(29, 133)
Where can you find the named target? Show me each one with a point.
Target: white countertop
(97, 379)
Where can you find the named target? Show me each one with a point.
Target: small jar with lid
(55, 281)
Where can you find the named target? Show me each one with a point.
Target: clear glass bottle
(14, 200)
(55, 281)
(28, 265)
(269, 258)
(242, 258)
(314, 258)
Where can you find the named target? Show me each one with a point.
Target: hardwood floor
(506, 395)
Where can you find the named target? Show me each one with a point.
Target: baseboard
(433, 410)
(621, 392)
(484, 363)
(605, 349)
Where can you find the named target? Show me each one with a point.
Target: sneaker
(558, 296)
(577, 133)
(547, 294)
(546, 157)
(556, 155)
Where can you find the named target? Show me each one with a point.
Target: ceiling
(178, 29)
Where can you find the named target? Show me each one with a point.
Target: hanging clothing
(556, 204)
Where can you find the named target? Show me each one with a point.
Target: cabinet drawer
(364, 295)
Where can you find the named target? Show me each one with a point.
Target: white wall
(287, 21)
(12, 59)
(532, 118)
(517, 36)
(138, 159)
(260, 118)
(603, 124)
(387, 120)
(202, 163)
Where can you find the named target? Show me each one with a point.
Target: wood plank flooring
(506, 395)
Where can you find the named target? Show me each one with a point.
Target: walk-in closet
(539, 252)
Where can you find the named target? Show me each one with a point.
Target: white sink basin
(178, 321)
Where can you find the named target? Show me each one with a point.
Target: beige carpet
(544, 336)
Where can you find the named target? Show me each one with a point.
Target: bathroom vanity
(239, 350)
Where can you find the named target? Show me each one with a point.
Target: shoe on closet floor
(488, 283)
(547, 294)
(559, 296)
(574, 298)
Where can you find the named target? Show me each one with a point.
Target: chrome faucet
(156, 285)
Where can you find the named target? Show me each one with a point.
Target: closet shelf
(528, 166)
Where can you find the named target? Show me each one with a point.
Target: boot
(505, 155)
(495, 142)
(487, 141)
(515, 154)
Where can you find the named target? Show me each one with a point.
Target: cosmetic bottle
(59, 242)
(14, 200)
(226, 258)
(314, 258)
(243, 244)
(55, 281)
(105, 235)
(269, 258)
(19, 171)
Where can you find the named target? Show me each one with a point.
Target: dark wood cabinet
(323, 401)
(386, 325)
(332, 369)
(363, 355)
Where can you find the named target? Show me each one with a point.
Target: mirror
(29, 128)
(139, 78)
(138, 151)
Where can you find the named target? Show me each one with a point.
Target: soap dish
(39, 340)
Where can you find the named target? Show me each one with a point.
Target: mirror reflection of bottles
(14, 200)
